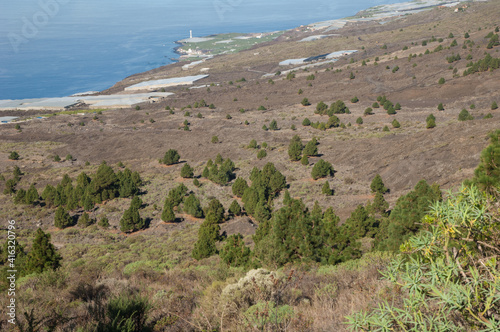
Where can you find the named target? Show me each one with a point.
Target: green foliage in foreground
(448, 273)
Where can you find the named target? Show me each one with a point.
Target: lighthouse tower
(190, 34)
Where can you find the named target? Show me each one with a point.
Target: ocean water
(53, 48)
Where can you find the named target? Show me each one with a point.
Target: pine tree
(430, 123)
(206, 173)
(405, 218)
(253, 144)
(235, 208)
(84, 220)
(171, 157)
(273, 125)
(168, 214)
(321, 108)
(239, 187)
(304, 160)
(62, 218)
(326, 189)
(359, 224)
(287, 199)
(192, 206)
(235, 253)
(43, 255)
(261, 154)
(131, 220)
(487, 174)
(187, 171)
(306, 122)
(322, 169)
(494, 106)
(440, 107)
(311, 149)
(377, 185)
(216, 209)
(208, 235)
(295, 148)
(379, 204)
(464, 115)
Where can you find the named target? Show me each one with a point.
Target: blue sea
(53, 48)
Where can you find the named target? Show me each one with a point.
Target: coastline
(313, 31)
(375, 13)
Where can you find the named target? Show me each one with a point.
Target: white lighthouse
(190, 34)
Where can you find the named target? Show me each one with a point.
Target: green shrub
(368, 111)
(441, 80)
(235, 208)
(440, 107)
(326, 189)
(126, 313)
(187, 171)
(395, 123)
(234, 252)
(262, 108)
(104, 222)
(273, 125)
(215, 139)
(322, 169)
(192, 206)
(305, 102)
(62, 219)
(377, 185)
(295, 148)
(43, 255)
(494, 106)
(171, 157)
(14, 155)
(464, 115)
(438, 273)
(261, 154)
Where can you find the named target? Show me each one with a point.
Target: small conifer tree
(377, 185)
(171, 157)
(43, 255)
(187, 171)
(322, 169)
(304, 160)
(235, 208)
(326, 189)
(168, 214)
(62, 218)
(192, 206)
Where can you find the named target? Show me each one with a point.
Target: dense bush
(295, 148)
(465, 115)
(171, 157)
(446, 273)
(131, 221)
(322, 169)
(187, 171)
(377, 185)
